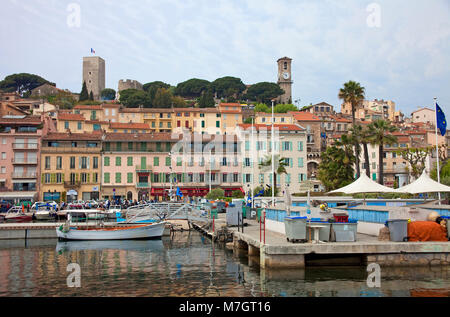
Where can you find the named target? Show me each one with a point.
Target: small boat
(122, 232)
(44, 212)
(16, 214)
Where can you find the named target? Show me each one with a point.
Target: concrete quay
(277, 252)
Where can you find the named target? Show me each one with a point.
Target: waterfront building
(70, 166)
(290, 143)
(315, 140)
(424, 115)
(278, 118)
(147, 166)
(20, 156)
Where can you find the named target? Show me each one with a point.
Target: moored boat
(16, 214)
(123, 232)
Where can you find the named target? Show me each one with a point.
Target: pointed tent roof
(363, 185)
(424, 184)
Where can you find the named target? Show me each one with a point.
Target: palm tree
(380, 133)
(353, 93)
(360, 136)
(336, 166)
(279, 167)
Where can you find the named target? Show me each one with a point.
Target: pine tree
(84, 93)
(91, 96)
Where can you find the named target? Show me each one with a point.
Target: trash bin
(259, 213)
(295, 228)
(341, 217)
(398, 229)
(345, 231)
(324, 233)
(214, 214)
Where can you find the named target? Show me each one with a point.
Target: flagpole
(273, 164)
(253, 150)
(437, 148)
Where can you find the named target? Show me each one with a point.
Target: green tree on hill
(227, 87)
(22, 83)
(108, 94)
(192, 88)
(163, 98)
(134, 98)
(206, 100)
(264, 92)
(84, 95)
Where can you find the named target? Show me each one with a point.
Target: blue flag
(179, 193)
(440, 120)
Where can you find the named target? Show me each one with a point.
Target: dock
(277, 252)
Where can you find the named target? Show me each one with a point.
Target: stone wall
(409, 259)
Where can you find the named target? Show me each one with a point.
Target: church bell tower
(285, 79)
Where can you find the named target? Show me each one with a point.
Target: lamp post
(273, 163)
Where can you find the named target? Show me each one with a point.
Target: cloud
(407, 59)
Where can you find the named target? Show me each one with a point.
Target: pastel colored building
(70, 166)
(20, 156)
(290, 143)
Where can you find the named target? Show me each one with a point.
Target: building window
(118, 161)
(66, 125)
(156, 161)
(79, 125)
(129, 178)
(106, 161)
(58, 162)
(130, 161)
(118, 177)
(95, 162)
(168, 161)
(106, 177)
(72, 162)
(84, 163)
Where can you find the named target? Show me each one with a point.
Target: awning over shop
(20, 195)
(109, 191)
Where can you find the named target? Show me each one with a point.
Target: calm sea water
(188, 264)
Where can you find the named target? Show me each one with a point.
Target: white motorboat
(122, 232)
(17, 214)
(45, 211)
(114, 211)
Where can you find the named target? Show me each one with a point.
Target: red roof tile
(88, 107)
(67, 136)
(71, 117)
(304, 116)
(280, 127)
(131, 125)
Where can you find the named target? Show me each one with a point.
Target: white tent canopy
(424, 184)
(363, 185)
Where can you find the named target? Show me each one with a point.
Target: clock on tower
(284, 79)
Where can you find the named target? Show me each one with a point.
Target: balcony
(72, 184)
(24, 161)
(69, 149)
(212, 167)
(143, 168)
(143, 185)
(24, 175)
(25, 146)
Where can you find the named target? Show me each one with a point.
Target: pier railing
(166, 211)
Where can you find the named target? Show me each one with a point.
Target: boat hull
(44, 216)
(150, 231)
(19, 218)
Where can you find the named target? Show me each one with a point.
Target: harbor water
(188, 264)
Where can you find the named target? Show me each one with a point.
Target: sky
(397, 49)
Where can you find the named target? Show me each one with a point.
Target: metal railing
(25, 146)
(24, 161)
(24, 175)
(166, 211)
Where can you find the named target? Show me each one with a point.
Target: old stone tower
(285, 79)
(94, 75)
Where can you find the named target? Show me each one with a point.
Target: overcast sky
(398, 50)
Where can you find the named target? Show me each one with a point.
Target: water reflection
(187, 264)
